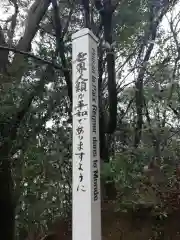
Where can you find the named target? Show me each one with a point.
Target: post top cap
(83, 32)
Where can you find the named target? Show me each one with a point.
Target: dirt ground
(126, 226)
(132, 226)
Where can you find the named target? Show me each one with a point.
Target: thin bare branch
(56, 66)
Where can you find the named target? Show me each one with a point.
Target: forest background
(139, 94)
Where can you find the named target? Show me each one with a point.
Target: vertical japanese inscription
(81, 115)
(95, 143)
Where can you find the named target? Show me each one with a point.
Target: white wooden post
(86, 160)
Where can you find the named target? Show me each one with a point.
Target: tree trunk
(7, 206)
